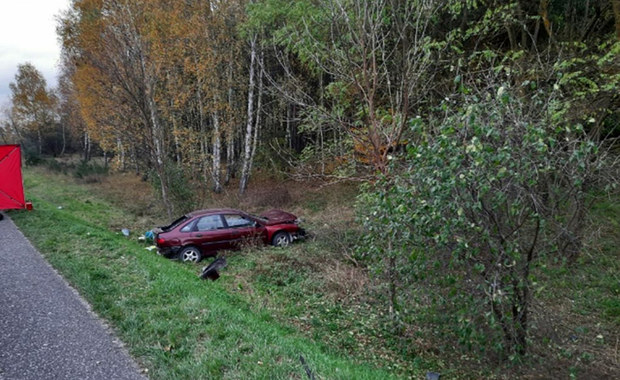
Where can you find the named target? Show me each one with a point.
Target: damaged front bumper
(299, 235)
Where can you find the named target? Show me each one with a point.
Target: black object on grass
(306, 368)
(212, 271)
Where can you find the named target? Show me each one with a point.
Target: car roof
(215, 211)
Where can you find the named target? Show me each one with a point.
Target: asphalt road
(47, 331)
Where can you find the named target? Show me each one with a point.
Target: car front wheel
(281, 239)
(190, 254)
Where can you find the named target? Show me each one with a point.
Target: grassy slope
(176, 325)
(272, 305)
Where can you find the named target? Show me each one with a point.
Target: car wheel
(190, 254)
(281, 239)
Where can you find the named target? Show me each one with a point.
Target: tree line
(494, 112)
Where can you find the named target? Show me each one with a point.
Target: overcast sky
(28, 34)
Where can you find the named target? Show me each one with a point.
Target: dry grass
(344, 282)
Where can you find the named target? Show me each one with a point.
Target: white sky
(28, 34)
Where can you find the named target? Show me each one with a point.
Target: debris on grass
(212, 270)
(149, 235)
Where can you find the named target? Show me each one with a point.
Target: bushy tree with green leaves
(460, 226)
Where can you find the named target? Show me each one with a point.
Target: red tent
(11, 184)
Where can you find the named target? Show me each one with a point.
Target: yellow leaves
(155, 70)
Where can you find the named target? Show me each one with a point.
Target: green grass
(310, 299)
(592, 282)
(174, 324)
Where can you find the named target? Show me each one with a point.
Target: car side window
(209, 222)
(236, 221)
(188, 227)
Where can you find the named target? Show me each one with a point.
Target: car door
(243, 230)
(210, 233)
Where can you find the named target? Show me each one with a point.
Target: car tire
(190, 254)
(281, 239)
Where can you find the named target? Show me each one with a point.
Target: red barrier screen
(11, 184)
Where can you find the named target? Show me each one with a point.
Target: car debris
(212, 270)
(149, 236)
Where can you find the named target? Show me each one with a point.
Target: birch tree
(115, 71)
(247, 156)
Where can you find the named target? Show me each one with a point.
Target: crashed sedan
(205, 232)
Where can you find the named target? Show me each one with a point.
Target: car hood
(278, 216)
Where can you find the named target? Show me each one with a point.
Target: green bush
(459, 228)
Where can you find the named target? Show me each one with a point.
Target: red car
(204, 232)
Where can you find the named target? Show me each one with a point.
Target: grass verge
(175, 325)
(311, 299)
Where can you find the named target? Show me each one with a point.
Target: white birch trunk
(230, 138)
(245, 173)
(217, 145)
(259, 107)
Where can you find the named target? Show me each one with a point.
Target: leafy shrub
(460, 227)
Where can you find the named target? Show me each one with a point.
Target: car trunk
(158, 230)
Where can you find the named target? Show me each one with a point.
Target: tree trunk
(231, 130)
(40, 141)
(64, 139)
(217, 145)
(157, 136)
(230, 157)
(87, 147)
(259, 107)
(177, 146)
(203, 135)
(245, 172)
(121, 156)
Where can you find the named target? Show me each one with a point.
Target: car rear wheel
(190, 254)
(281, 239)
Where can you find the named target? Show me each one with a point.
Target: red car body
(205, 232)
